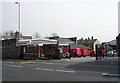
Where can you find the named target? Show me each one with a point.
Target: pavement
(86, 60)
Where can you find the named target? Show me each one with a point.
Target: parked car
(112, 53)
(115, 53)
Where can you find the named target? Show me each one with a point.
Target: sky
(67, 18)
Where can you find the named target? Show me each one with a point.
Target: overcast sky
(67, 18)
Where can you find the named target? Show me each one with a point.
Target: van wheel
(74, 56)
(64, 55)
(84, 56)
(91, 55)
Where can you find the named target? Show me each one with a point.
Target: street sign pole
(96, 47)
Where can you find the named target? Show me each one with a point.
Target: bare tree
(46, 37)
(36, 35)
(54, 35)
(8, 33)
(51, 36)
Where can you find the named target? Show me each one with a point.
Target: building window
(24, 49)
(5, 45)
(8, 44)
(0, 45)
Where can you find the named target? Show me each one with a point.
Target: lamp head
(17, 3)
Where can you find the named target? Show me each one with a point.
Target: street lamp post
(18, 26)
(18, 19)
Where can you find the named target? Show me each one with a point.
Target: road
(84, 69)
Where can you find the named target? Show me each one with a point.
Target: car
(115, 53)
(112, 53)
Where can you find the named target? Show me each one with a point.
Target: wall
(10, 50)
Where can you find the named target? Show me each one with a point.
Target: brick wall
(9, 49)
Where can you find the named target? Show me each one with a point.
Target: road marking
(9, 62)
(16, 66)
(107, 74)
(65, 71)
(46, 62)
(44, 69)
(55, 70)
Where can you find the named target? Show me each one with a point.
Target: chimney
(11, 34)
(88, 38)
(81, 38)
(92, 37)
(85, 38)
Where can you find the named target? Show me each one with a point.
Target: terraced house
(89, 42)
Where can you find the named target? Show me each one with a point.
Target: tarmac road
(86, 69)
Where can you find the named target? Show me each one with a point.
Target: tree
(46, 37)
(36, 35)
(54, 35)
(8, 33)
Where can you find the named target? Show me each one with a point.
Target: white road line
(65, 71)
(55, 70)
(16, 66)
(44, 69)
(107, 74)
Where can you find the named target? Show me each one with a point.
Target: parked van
(65, 52)
(75, 52)
(85, 52)
(92, 53)
(104, 52)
